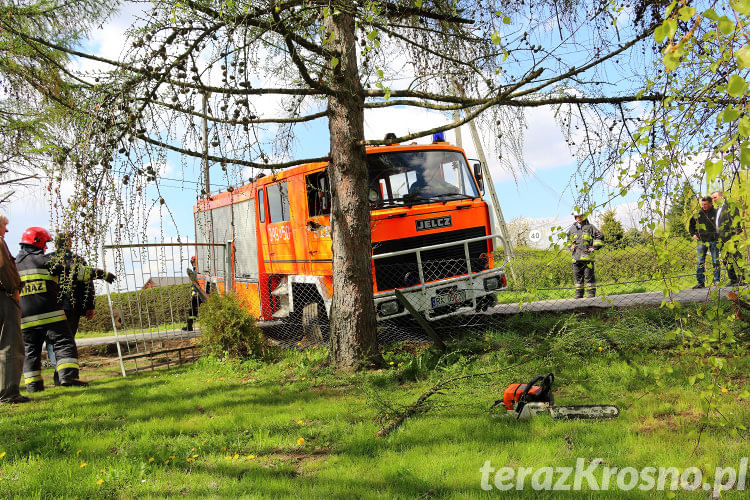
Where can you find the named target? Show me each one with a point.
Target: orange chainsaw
(526, 400)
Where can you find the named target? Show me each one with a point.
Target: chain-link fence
(153, 302)
(421, 294)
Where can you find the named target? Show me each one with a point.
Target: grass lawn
(293, 428)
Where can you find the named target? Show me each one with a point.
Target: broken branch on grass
(419, 406)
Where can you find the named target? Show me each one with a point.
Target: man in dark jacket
(584, 238)
(76, 289)
(703, 230)
(728, 225)
(11, 340)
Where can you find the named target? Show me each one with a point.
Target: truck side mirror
(478, 176)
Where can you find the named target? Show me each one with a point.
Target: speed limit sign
(535, 235)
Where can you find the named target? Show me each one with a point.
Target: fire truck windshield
(413, 177)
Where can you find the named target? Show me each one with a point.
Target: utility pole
(207, 188)
(488, 183)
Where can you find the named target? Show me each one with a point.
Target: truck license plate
(449, 299)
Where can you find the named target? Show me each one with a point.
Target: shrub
(228, 329)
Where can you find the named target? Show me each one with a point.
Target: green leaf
(371, 35)
(418, 4)
(496, 38)
(669, 9)
(729, 115)
(713, 169)
(505, 55)
(334, 62)
(726, 25)
(744, 126)
(660, 33)
(737, 86)
(745, 156)
(506, 20)
(711, 14)
(686, 13)
(741, 6)
(745, 394)
(691, 380)
(672, 60)
(387, 94)
(671, 27)
(743, 57)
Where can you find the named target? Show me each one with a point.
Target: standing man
(728, 225)
(76, 289)
(42, 317)
(197, 295)
(11, 340)
(584, 238)
(703, 230)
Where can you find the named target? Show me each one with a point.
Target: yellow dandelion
(301, 441)
(167, 462)
(228, 457)
(195, 456)
(236, 456)
(251, 457)
(390, 363)
(299, 422)
(190, 459)
(486, 338)
(101, 470)
(2, 454)
(151, 459)
(61, 420)
(303, 378)
(83, 464)
(221, 378)
(171, 457)
(724, 389)
(78, 452)
(100, 481)
(601, 349)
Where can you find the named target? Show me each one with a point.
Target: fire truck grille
(440, 263)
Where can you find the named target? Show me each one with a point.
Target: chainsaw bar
(584, 411)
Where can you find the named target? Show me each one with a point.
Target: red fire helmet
(36, 236)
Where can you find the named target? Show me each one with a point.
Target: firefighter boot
(591, 292)
(74, 383)
(189, 327)
(35, 386)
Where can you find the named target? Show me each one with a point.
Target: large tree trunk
(353, 325)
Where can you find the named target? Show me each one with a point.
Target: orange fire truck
(430, 231)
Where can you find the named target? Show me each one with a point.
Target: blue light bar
(438, 137)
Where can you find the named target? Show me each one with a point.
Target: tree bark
(353, 325)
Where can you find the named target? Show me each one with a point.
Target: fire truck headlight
(388, 308)
(492, 283)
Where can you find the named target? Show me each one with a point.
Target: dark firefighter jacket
(76, 283)
(39, 287)
(583, 238)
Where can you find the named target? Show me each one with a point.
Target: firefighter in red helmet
(41, 314)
